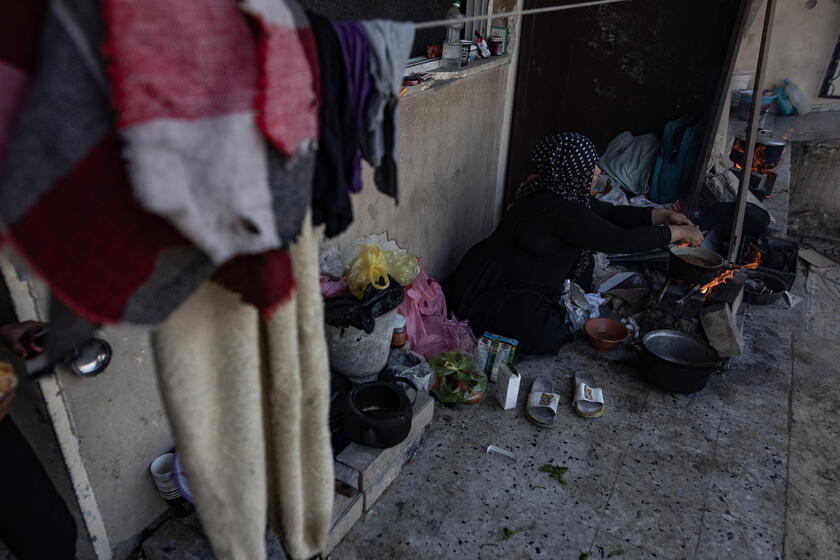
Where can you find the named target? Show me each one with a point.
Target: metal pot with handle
(677, 362)
(695, 265)
(379, 413)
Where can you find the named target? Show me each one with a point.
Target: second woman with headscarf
(511, 282)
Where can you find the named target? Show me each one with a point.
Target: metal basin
(677, 362)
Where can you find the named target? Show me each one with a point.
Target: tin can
(497, 46)
(465, 52)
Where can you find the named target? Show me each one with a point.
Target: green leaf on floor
(507, 533)
(555, 472)
(614, 550)
(584, 555)
(533, 487)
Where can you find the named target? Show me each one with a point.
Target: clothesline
(447, 22)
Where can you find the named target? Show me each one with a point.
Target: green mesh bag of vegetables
(457, 378)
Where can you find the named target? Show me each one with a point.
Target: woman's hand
(21, 338)
(686, 234)
(661, 216)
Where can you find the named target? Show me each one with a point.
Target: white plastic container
(452, 45)
(799, 100)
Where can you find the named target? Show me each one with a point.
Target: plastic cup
(163, 473)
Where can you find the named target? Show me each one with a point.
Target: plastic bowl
(605, 334)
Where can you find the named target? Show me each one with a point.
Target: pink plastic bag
(331, 288)
(427, 326)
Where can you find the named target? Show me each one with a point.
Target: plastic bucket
(746, 97)
(360, 356)
(740, 81)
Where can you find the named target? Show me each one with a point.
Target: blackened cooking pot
(379, 413)
(768, 151)
(774, 285)
(694, 265)
(677, 362)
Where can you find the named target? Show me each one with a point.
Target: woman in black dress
(511, 282)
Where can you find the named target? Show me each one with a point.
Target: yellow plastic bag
(370, 267)
(403, 267)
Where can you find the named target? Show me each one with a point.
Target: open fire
(766, 156)
(707, 289)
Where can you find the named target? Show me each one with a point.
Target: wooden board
(816, 259)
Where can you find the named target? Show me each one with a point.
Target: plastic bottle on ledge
(783, 102)
(482, 45)
(803, 107)
(452, 45)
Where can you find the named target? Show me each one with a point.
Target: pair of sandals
(541, 409)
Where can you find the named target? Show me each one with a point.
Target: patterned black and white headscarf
(565, 163)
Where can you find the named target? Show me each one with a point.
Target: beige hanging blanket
(248, 401)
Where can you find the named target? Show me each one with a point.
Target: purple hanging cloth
(354, 47)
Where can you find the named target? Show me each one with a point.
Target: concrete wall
(119, 419)
(815, 182)
(449, 148)
(801, 45)
(96, 436)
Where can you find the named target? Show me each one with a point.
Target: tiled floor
(661, 475)
(747, 468)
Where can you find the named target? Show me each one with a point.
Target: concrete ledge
(372, 471)
(439, 79)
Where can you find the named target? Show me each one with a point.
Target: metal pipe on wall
(758, 88)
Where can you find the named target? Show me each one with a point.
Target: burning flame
(722, 278)
(760, 163)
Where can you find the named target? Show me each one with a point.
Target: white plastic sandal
(588, 401)
(541, 408)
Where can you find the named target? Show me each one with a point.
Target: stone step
(372, 463)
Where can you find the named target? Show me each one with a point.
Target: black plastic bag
(347, 311)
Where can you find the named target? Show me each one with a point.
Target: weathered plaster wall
(119, 419)
(801, 45)
(815, 189)
(116, 426)
(450, 140)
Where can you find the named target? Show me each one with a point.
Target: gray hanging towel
(390, 46)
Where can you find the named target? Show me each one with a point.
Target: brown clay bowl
(605, 334)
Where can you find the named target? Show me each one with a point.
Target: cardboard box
(507, 386)
(493, 351)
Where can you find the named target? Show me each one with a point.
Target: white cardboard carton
(507, 386)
